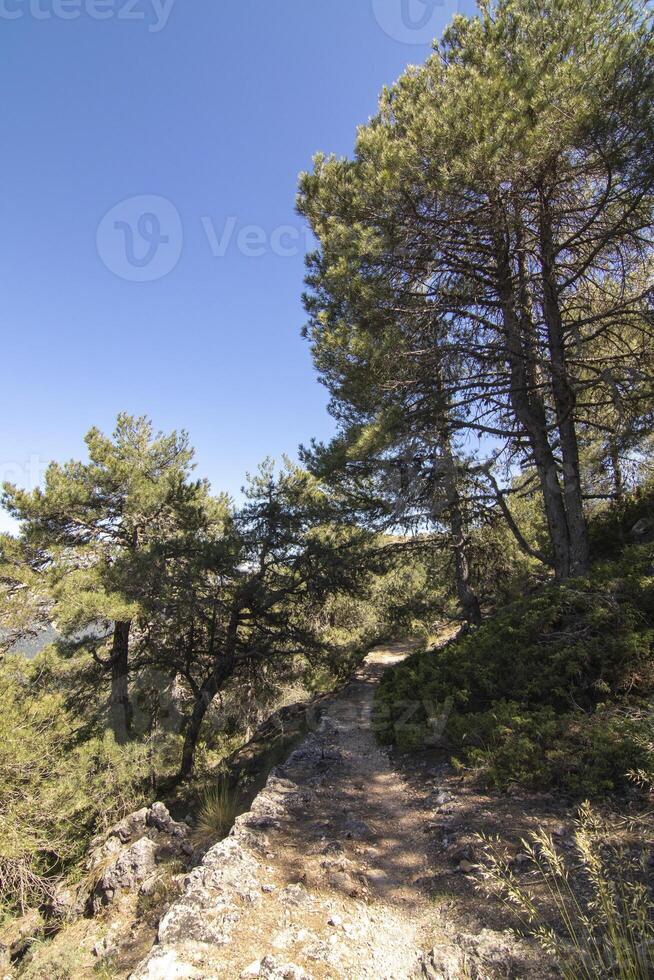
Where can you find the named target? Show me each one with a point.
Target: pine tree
(100, 529)
(244, 594)
(499, 184)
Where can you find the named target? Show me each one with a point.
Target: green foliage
(99, 533)
(501, 571)
(402, 599)
(611, 527)
(25, 604)
(483, 268)
(552, 692)
(579, 754)
(57, 791)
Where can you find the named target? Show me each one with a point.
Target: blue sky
(151, 257)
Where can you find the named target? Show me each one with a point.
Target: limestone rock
(134, 865)
(130, 827)
(164, 964)
(208, 909)
(126, 858)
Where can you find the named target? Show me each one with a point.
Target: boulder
(129, 827)
(208, 909)
(134, 865)
(159, 818)
(126, 858)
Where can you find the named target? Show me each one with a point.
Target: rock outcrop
(125, 859)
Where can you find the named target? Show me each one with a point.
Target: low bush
(612, 528)
(552, 692)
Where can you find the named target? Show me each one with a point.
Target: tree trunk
(224, 665)
(564, 400)
(616, 466)
(193, 729)
(120, 709)
(530, 412)
(203, 701)
(466, 595)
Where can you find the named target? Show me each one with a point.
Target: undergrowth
(552, 693)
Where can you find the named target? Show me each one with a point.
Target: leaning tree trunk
(224, 666)
(120, 709)
(193, 729)
(203, 700)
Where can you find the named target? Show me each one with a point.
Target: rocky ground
(351, 864)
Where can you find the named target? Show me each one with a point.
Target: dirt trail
(335, 871)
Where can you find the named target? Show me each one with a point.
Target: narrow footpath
(326, 876)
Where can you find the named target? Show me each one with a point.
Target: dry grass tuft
(605, 911)
(216, 816)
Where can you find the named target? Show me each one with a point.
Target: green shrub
(577, 753)
(610, 528)
(552, 692)
(57, 790)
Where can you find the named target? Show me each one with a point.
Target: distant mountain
(30, 647)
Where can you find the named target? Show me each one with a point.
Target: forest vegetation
(480, 309)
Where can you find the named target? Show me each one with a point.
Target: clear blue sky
(214, 107)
